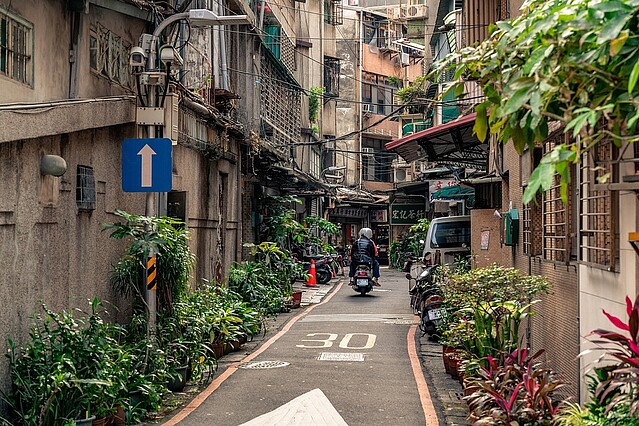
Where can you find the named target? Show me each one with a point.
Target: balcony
(416, 126)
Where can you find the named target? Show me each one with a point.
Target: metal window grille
(281, 107)
(333, 12)
(598, 242)
(331, 76)
(16, 48)
(556, 217)
(85, 188)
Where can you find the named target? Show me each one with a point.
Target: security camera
(170, 56)
(137, 57)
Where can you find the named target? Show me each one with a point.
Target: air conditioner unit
(368, 151)
(417, 11)
(396, 13)
(367, 108)
(405, 59)
(402, 175)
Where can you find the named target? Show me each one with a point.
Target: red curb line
(232, 368)
(422, 387)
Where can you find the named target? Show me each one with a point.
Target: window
(333, 12)
(598, 244)
(16, 48)
(531, 216)
(556, 220)
(488, 195)
(109, 55)
(331, 76)
(85, 189)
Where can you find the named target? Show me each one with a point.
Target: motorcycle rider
(364, 251)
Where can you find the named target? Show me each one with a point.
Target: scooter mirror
(409, 277)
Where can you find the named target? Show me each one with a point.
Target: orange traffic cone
(311, 280)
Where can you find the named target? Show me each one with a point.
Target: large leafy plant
(620, 384)
(165, 236)
(517, 391)
(575, 62)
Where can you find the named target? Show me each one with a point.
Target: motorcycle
(427, 300)
(363, 279)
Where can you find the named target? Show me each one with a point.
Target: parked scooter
(427, 300)
(363, 279)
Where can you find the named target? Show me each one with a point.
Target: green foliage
(414, 93)
(71, 365)
(571, 61)
(259, 286)
(517, 391)
(314, 97)
(411, 242)
(394, 81)
(168, 238)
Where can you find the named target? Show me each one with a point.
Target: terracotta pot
(218, 350)
(99, 422)
(297, 299)
(116, 419)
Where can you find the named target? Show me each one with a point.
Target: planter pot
(118, 418)
(227, 348)
(85, 422)
(99, 422)
(297, 299)
(236, 345)
(135, 398)
(178, 383)
(218, 350)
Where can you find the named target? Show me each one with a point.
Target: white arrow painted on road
(310, 409)
(147, 154)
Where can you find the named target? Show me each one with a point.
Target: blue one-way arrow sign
(147, 165)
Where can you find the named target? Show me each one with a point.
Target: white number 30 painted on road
(344, 343)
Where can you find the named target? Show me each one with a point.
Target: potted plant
(517, 391)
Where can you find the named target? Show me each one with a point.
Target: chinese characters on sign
(436, 185)
(407, 214)
(379, 216)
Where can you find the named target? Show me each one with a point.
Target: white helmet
(366, 232)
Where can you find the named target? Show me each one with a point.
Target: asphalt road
(344, 361)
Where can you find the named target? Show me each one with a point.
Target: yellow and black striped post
(151, 273)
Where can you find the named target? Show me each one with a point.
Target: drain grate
(336, 356)
(262, 365)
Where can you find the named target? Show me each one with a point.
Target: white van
(447, 240)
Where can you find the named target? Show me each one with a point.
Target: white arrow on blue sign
(147, 165)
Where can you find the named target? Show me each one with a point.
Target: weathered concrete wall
(50, 251)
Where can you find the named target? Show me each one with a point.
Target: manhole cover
(332, 356)
(261, 365)
(402, 322)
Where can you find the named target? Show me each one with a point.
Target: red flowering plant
(519, 391)
(620, 386)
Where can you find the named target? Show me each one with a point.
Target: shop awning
(454, 192)
(449, 143)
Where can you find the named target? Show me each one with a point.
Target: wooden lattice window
(598, 243)
(556, 216)
(16, 48)
(531, 213)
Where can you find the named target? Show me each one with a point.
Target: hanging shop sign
(379, 216)
(406, 214)
(350, 212)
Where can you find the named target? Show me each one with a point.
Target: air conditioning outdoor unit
(402, 174)
(396, 13)
(405, 59)
(417, 11)
(368, 151)
(367, 108)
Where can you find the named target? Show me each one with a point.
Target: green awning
(454, 192)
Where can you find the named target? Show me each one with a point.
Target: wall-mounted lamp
(52, 165)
